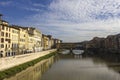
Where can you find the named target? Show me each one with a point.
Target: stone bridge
(70, 46)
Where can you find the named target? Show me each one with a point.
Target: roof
(17, 26)
(14, 27)
(4, 21)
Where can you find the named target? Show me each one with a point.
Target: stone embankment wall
(9, 62)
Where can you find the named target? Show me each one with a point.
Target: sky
(68, 20)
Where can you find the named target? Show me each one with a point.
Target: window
(2, 33)
(9, 46)
(6, 46)
(2, 40)
(9, 40)
(14, 45)
(2, 27)
(6, 39)
(13, 31)
(6, 34)
(2, 45)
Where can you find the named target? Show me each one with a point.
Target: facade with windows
(35, 39)
(16, 40)
(23, 40)
(49, 41)
(5, 39)
(30, 48)
(45, 42)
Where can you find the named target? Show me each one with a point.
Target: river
(70, 67)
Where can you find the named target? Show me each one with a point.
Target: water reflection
(77, 67)
(110, 63)
(71, 67)
(35, 72)
(65, 51)
(74, 51)
(77, 51)
(78, 56)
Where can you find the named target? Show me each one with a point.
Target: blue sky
(69, 20)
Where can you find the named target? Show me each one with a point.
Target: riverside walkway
(9, 62)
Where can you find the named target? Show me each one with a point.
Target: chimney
(1, 16)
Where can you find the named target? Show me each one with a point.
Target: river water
(70, 67)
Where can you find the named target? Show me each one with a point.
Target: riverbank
(23, 64)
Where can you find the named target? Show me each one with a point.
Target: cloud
(79, 10)
(32, 9)
(38, 5)
(79, 31)
(77, 20)
(87, 10)
(5, 3)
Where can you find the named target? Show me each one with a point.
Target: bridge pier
(71, 50)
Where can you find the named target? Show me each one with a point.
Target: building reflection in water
(78, 56)
(35, 72)
(72, 67)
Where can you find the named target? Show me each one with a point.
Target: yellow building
(14, 39)
(30, 40)
(35, 40)
(22, 39)
(49, 41)
(52, 43)
(5, 39)
(45, 42)
(56, 42)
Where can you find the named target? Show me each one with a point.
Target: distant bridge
(70, 46)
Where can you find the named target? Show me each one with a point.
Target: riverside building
(16, 40)
(5, 38)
